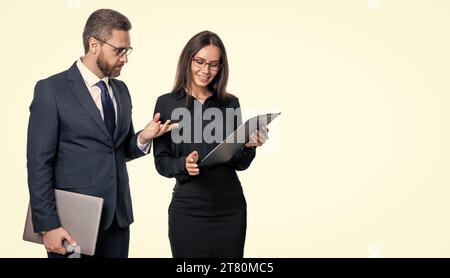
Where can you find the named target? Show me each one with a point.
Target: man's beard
(105, 69)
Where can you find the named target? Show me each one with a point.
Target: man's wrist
(142, 140)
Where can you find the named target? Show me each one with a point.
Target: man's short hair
(101, 23)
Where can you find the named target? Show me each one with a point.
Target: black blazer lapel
(80, 90)
(118, 95)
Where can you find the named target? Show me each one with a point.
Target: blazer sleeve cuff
(51, 224)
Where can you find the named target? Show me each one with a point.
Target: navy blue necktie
(109, 115)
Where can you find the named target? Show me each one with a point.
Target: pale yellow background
(358, 164)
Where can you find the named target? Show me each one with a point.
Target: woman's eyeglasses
(200, 63)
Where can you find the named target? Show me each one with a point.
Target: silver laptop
(79, 215)
(225, 150)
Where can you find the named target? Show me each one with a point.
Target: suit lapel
(80, 90)
(120, 113)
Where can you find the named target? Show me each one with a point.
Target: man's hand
(53, 240)
(191, 164)
(155, 129)
(258, 138)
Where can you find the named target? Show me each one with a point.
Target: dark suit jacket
(69, 148)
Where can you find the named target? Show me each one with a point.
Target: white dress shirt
(91, 80)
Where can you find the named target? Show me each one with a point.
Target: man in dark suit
(80, 135)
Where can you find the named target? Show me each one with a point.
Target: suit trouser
(111, 243)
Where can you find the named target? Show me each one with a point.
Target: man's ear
(94, 46)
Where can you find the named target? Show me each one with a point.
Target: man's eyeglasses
(200, 63)
(120, 51)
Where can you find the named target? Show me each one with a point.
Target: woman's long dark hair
(183, 79)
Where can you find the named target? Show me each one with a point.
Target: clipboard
(228, 147)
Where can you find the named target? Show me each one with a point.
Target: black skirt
(208, 216)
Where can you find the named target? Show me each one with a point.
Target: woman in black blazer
(208, 212)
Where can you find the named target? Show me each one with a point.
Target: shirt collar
(182, 94)
(89, 77)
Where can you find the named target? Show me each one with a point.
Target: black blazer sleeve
(42, 141)
(244, 157)
(166, 163)
(132, 150)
